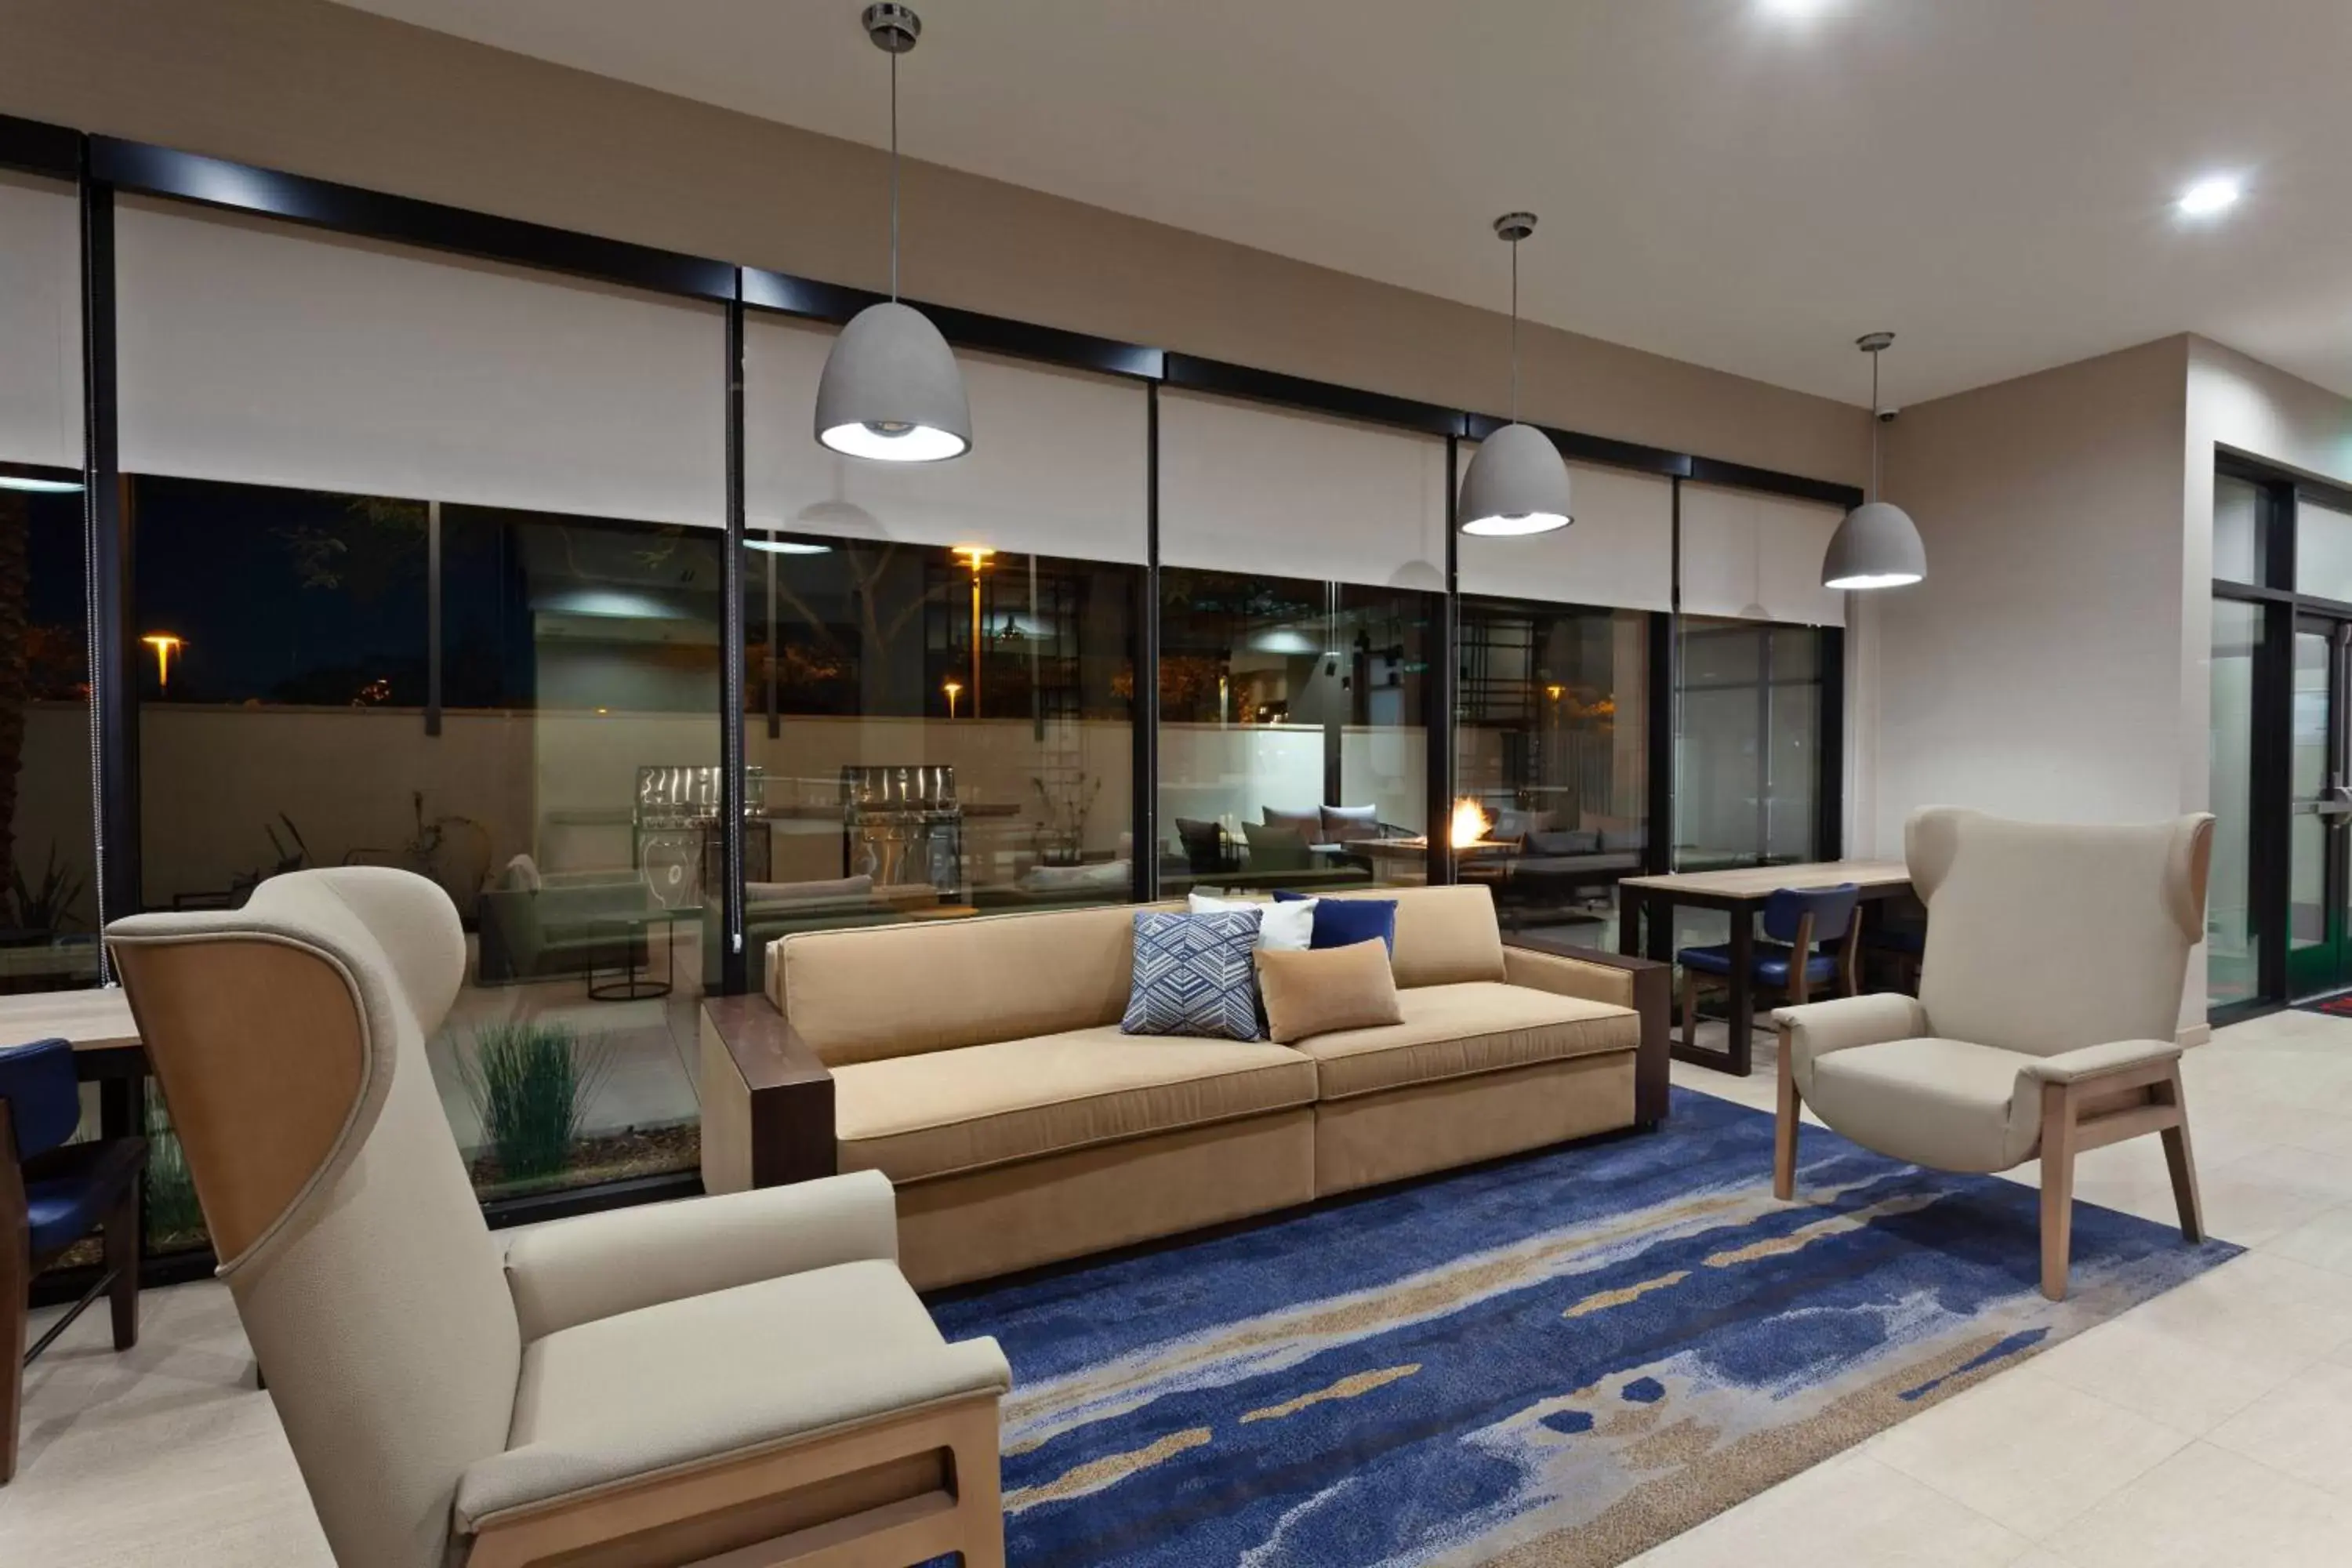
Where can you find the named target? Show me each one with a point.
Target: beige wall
(2036, 671)
(322, 90)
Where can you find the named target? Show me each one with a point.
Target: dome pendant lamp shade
(891, 391)
(1518, 483)
(1877, 546)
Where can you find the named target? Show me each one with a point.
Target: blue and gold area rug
(1560, 1360)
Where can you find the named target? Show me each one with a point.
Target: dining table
(106, 1049)
(1646, 922)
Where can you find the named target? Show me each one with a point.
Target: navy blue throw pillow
(1344, 923)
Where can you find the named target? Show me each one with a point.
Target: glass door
(2319, 829)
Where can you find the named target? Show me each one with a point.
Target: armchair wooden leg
(16, 1283)
(2177, 1156)
(119, 1238)
(2058, 1128)
(1784, 1125)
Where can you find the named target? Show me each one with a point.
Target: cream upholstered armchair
(744, 1378)
(2047, 1016)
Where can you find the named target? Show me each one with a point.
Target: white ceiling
(1718, 182)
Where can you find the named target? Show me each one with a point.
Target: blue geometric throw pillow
(1194, 975)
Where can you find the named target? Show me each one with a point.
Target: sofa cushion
(1454, 1031)
(1444, 935)
(947, 1111)
(1323, 990)
(1945, 1104)
(852, 993)
(1346, 823)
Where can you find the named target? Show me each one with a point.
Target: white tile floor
(2213, 1426)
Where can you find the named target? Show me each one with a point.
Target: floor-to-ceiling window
(48, 861)
(333, 450)
(940, 682)
(1552, 689)
(1300, 560)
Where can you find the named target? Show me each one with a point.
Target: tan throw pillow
(1327, 989)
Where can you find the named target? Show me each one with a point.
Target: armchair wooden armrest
(1642, 985)
(767, 1100)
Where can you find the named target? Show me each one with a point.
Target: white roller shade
(1759, 556)
(40, 322)
(272, 355)
(1247, 486)
(1060, 460)
(1620, 551)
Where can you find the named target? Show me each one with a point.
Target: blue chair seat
(62, 1211)
(69, 1191)
(1770, 964)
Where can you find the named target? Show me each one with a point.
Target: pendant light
(1877, 546)
(1518, 483)
(891, 391)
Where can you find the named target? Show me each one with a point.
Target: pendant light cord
(1874, 422)
(893, 179)
(1515, 332)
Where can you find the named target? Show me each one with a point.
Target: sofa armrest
(599, 1264)
(2097, 1061)
(767, 1098)
(1644, 986)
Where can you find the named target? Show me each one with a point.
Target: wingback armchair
(2047, 1016)
(737, 1379)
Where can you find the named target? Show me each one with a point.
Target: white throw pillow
(1282, 928)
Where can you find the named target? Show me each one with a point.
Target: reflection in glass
(1748, 744)
(2231, 969)
(2237, 531)
(48, 899)
(2309, 836)
(1551, 751)
(579, 660)
(1292, 745)
(938, 733)
(2323, 550)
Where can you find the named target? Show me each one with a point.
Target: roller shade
(40, 322)
(1060, 462)
(267, 353)
(1756, 556)
(1620, 551)
(1247, 486)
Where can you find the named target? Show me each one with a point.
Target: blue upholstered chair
(1822, 923)
(52, 1194)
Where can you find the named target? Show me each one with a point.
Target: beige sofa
(979, 1064)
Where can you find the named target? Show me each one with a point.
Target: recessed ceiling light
(1797, 8)
(2208, 196)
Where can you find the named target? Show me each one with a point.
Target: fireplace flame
(1470, 824)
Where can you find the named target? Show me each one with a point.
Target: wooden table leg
(1743, 964)
(1629, 922)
